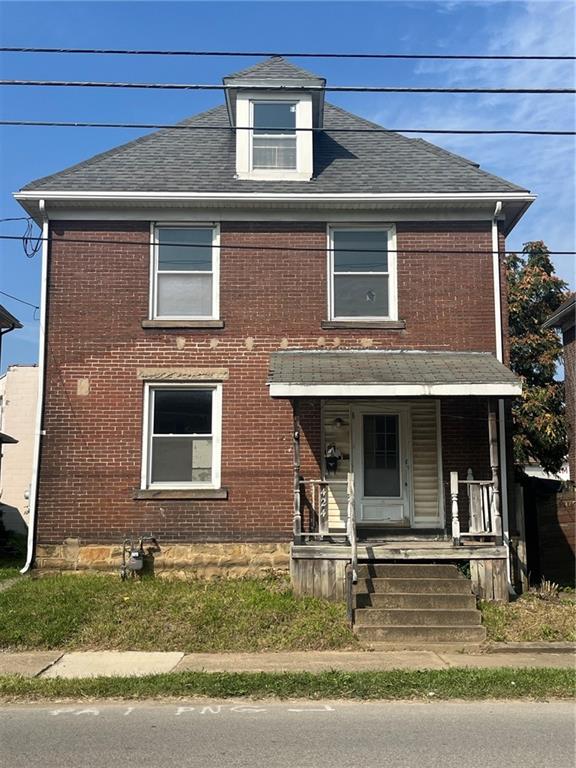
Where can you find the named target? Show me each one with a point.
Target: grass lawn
(8, 572)
(429, 685)
(530, 618)
(101, 612)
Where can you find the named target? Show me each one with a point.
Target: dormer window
(274, 135)
(274, 109)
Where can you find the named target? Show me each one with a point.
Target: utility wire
(197, 127)
(267, 54)
(280, 88)
(22, 301)
(304, 249)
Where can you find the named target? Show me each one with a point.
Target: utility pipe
(38, 432)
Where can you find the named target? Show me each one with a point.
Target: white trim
(38, 432)
(441, 500)
(275, 197)
(216, 435)
(346, 215)
(504, 489)
(503, 389)
(215, 272)
(392, 272)
(244, 145)
(496, 282)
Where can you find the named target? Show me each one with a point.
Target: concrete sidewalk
(50, 664)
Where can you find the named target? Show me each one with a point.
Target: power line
(292, 55)
(304, 249)
(281, 88)
(16, 218)
(22, 301)
(196, 127)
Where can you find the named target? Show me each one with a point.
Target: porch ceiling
(376, 373)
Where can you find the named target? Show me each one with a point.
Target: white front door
(381, 459)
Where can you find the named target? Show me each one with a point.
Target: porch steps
(407, 605)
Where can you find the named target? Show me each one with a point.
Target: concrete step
(407, 571)
(412, 600)
(369, 617)
(418, 634)
(456, 586)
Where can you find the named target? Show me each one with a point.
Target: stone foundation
(174, 560)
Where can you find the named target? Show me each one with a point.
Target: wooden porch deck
(406, 549)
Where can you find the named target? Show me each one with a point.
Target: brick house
(272, 338)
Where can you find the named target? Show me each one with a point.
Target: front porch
(391, 473)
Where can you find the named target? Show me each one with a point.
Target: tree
(534, 293)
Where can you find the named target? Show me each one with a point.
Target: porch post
(454, 508)
(493, 439)
(297, 514)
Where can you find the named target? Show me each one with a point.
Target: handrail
(351, 528)
(352, 569)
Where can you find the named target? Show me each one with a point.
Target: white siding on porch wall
(426, 460)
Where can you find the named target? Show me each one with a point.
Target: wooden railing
(483, 520)
(311, 506)
(312, 503)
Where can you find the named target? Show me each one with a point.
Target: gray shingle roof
(7, 320)
(275, 68)
(383, 367)
(204, 160)
(564, 316)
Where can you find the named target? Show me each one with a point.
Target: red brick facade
(98, 298)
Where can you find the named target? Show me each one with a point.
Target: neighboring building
(242, 324)
(18, 396)
(551, 506)
(565, 319)
(7, 323)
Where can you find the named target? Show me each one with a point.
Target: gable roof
(199, 160)
(275, 68)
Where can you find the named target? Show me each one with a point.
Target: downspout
(40, 402)
(501, 412)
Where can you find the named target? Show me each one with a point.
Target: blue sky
(546, 165)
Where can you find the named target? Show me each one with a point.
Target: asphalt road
(209, 734)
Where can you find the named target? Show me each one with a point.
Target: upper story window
(271, 144)
(185, 272)
(362, 284)
(274, 135)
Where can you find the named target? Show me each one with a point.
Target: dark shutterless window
(381, 456)
(360, 273)
(184, 272)
(274, 135)
(182, 437)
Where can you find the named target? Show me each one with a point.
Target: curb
(531, 648)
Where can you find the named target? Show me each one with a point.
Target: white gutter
(276, 197)
(40, 402)
(501, 411)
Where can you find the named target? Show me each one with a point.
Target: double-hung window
(274, 135)
(182, 436)
(362, 265)
(185, 272)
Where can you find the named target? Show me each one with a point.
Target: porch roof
(382, 373)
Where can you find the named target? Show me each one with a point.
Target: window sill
(198, 324)
(193, 494)
(387, 325)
